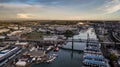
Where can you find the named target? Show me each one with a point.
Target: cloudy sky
(60, 9)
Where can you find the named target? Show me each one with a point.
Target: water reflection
(81, 35)
(71, 54)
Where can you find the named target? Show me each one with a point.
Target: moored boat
(52, 58)
(56, 49)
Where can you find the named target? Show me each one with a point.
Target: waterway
(67, 58)
(82, 35)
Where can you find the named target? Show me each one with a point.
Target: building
(23, 44)
(53, 38)
(8, 53)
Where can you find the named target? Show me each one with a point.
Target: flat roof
(94, 57)
(93, 48)
(94, 62)
(6, 51)
(38, 53)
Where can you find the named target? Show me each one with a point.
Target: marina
(93, 56)
(75, 58)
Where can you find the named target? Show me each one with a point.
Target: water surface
(67, 58)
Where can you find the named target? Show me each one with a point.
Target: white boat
(56, 49)
(39, 59)
(55, 55)
(49, 48)
(21, 63)
(33, 59)
(52, 58)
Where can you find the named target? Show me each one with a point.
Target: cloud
(20, 8)
(8, 1)
(110, 7)
(48, 2)
(20, 5)
(25, 16)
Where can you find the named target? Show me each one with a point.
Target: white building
(24, 44)
(4, 30)
(50, 37)
(14, 33)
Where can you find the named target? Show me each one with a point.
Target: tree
(68, 33)
(113, 57)
(48, 32)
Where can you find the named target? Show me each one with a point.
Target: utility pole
(72, 47)
(87, 39)
(104, 30)
(72, 43)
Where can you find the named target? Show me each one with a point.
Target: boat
(52, 58)
(38, 60)
(60, 45)
(56, 49)
(49, 48)
(55, 55)
(21, 63)
(33, 59)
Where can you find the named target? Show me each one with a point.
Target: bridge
(40, 42)
(62, 41)
(115, 35)
(81, 40)
(90, 41)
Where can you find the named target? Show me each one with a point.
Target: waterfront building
(93, 63)
(93, 57)
(7, 54)
(53, 38)
(14, 33)
(23, 44)
(4, 30)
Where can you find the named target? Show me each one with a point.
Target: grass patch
(34, 35)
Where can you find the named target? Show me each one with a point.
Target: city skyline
(59, 9)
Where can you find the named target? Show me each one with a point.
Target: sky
(59, 9)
